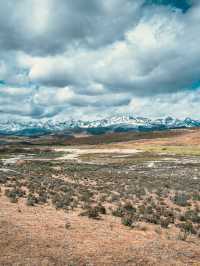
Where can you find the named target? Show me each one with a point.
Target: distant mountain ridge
(116, 123)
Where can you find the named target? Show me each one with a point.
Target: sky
(63, 59)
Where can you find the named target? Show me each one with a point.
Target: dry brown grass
(181, 137)
(42, 235)
(38, 236)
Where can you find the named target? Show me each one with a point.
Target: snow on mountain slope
(119, 123)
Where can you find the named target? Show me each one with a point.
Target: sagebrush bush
(128, 207)
(91, 212)
(118, 212)
(181, 199)
(101, 209)
(165, 222)
(31, 200)
(127, 220)
(187, 227)
(192, 215)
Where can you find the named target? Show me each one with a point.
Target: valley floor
(133, 202)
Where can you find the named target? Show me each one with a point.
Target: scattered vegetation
(141, 188)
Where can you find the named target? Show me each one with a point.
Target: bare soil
(131, 199)
(38, 236)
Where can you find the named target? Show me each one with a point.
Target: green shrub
(187, 227)
(91, 212)
(127, 220)
(62, 201)
(13, 200)
(118, 212)
(14, 194)
(86, 196)
(31, 200)
(196, 196)
(42, 199)
(181, 199)
(128, 207)
(192, 215)
(152, 218)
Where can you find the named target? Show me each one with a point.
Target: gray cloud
(155, 56)
(96, 57)
(181, 104)
(48, 27)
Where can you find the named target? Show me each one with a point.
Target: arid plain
(115, 199)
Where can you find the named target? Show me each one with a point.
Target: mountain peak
(113, 123)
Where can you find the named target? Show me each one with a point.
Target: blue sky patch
(184, 5)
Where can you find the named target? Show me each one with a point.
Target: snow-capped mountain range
(115, 123)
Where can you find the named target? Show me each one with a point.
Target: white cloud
(181, 105)
(98, 57)
(155, 56)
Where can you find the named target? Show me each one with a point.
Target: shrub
(101, 209)
(118, 212)
(192, 215)
(92, 212)
(67, 225)
(149, 209)
(196, 196)
(62, 201)
(141, 209)
(14, 194)
(86, 196)
(165, 222)
(114, 197)
(182, 218)
(3, 179)
(181, 199)
(31, 200)
(127, 220)
(13, 200)
(128, 207)
(42, 198)
(152, 218)
(187, 227)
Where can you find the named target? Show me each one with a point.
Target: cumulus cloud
(90, 59)
(155, 56)
(49, 26)
(181, 105)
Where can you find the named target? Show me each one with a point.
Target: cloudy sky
(91, 59)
